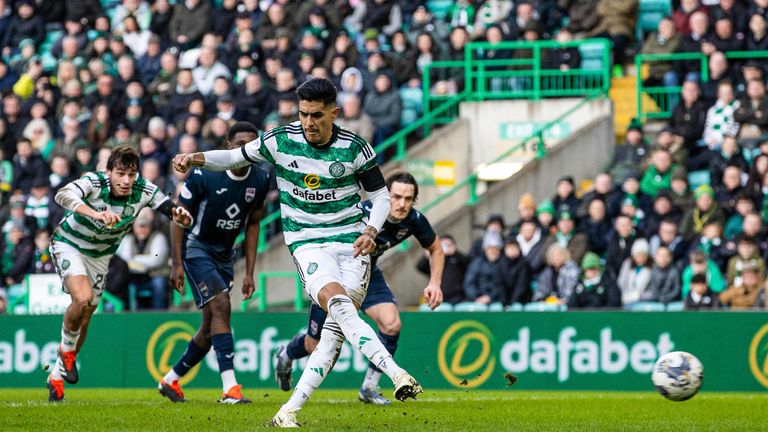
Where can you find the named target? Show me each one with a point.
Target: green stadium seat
(49, 62)
(649, 13)
(591, 56)
(413, 105)
(645, 307)
(439, 8)
(675, 306)
(50, 39)
(445, 307)
(698, 178)
(515, 307)
(496, 307)
(543, 307)
(470, 307)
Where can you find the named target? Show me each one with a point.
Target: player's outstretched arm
(70, 197)
(220, 160)
(433, 292)
(252, 232)
(178, 214)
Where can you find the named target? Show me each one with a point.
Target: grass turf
(459, 410)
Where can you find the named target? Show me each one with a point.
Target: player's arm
(222, 160)
(433, 292)
(373, 183)
(71, 197)
(177, 268)
(252, 231)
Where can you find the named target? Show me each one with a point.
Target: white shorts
(71, 262)
(319, 265)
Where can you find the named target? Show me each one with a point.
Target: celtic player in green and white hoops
(101, 208)
(321, 169)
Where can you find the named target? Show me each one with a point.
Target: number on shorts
(98, 284)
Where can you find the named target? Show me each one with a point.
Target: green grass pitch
(334, 410)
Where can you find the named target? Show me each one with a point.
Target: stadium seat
(496, 307)
(697, 178)
(591, 56)
(470, 307)
(134, 294)
(649, 13)
(542, 307)
(645, 307)
(50, 39)
(439, 8)
(444, 307)
(515, 307)
(675, 306)
(413, 105)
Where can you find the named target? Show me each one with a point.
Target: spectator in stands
(697, 41)
(682, 197)
(682, 15)
(665, 278)
(668, 237)
(631, 195)
(700, 264)
(188, 23)
(617, 19)
(705, 211)
(146, 252)
(720, 123)
(524, 14)
(757, 37)
(560, 277)
(455, 268)
(753, 227)
(42, 262)
(494, 224)
(484, 281)
(25, 24)
(719, 70)
(635, 273)
(710, 242)
(744, 205)
(565, 199)
(516, 274)
(526, 210)
(734, 12)
(662, 41)
(700, 296)
(627, 156)
(658, 176)
(619, 244)
(17, 215)
(747, 255)
(752, 70)
(28, 166)
(545, 216)
(729, 154)
(38, 203)
(581, 15)
(207, 70)
(603, 189)
(270, 24)
(752, 113)
(566, 236)
(729, 189)
(530, 241)
(744, 296)
(663, 208)
(724, 38)
(17, 254)
(596, 226)
(596, 289)
(355, 120)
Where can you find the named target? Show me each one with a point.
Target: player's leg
(320, 363)
(224, 344)
(195, 352)
(299, 347)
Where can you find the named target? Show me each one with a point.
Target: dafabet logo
(758, 356)
(465, 354)
(166, 343)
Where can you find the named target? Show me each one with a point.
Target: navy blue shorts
(207, 276)
(378, 293)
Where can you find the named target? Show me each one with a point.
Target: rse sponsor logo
(228, 224)
(314, 196)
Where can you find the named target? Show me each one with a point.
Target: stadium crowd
(79, 77)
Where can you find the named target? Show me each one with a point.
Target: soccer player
(224, 203)
(321, 170)
(380, 304)
(101, 209)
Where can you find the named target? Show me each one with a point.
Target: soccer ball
(678, 375)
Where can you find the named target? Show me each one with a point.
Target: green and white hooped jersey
(319, 191)
(92, 237)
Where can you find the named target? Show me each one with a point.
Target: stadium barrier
(553, 351)
(658, 102)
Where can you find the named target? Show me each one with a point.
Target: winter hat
(704, 190)
(640, 246)
(546, 207)
(590, 260)
(527, 201)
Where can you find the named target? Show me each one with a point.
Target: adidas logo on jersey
(293, 164)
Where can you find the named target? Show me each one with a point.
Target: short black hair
(406, 178)
(699, 278)
(317, 89)
(123, 157)
(241, 126)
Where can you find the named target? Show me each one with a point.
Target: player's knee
(310, 343)
(391, 326)
(82, 302)
(220, 306)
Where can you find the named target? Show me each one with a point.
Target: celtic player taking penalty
(329, 240)
(101, 209)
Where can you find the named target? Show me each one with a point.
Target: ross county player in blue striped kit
(223, 203)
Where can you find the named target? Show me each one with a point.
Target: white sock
(228, 379)
(171, 376)
(319, 365)
(57, 367)
(69, 339)
(361, 335)
(284, 357)
(371, 380)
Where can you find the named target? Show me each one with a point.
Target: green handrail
(668, 92)
(260, 295)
